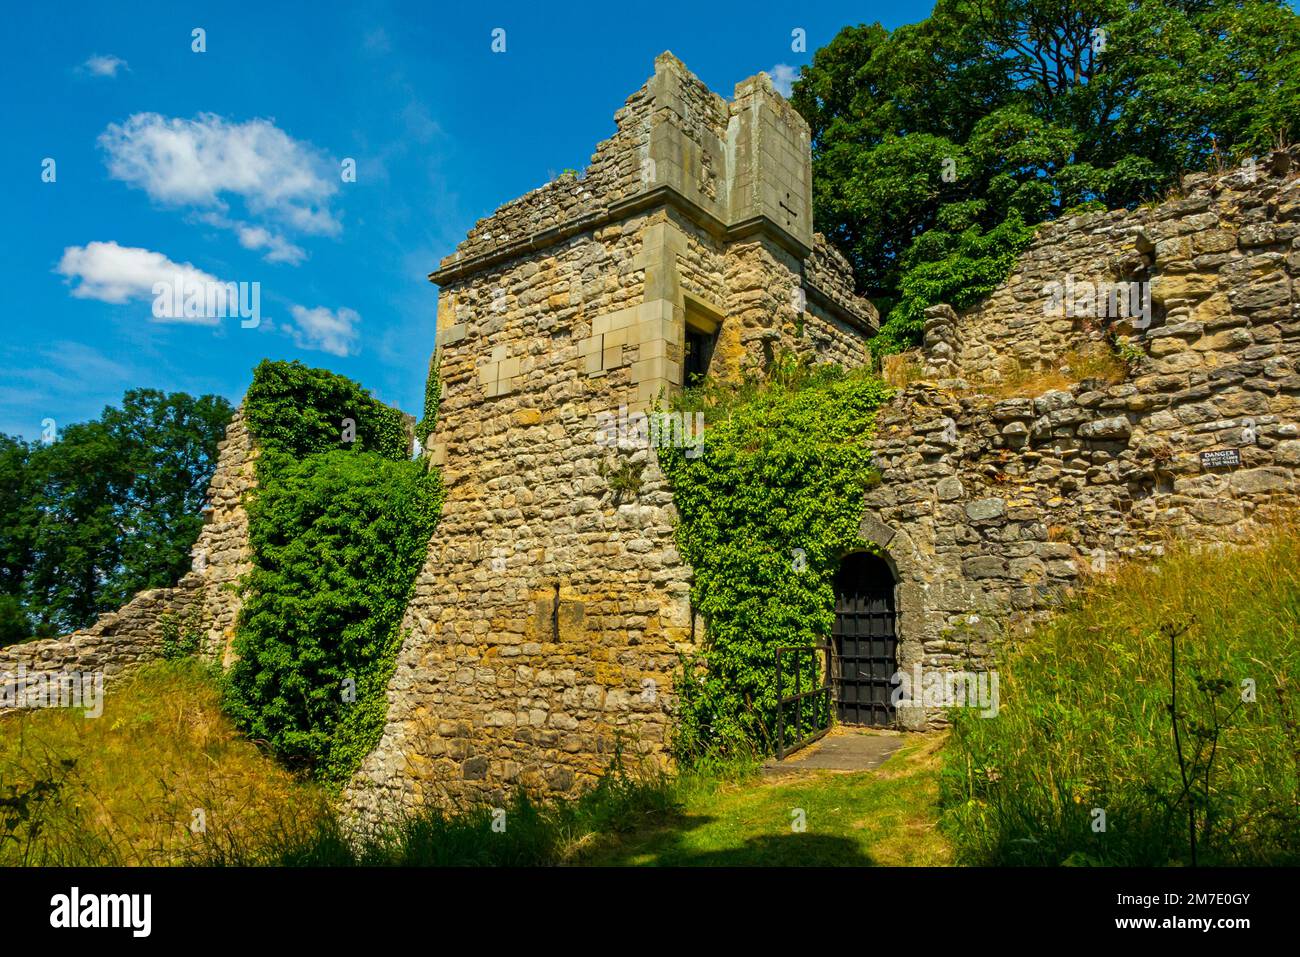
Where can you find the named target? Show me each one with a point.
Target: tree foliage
(109, 509)
(937, 147)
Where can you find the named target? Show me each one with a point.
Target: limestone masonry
(203, 603)
(549, 618)
(550, 614)
(989, 510)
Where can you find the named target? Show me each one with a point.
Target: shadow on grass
(668, 845)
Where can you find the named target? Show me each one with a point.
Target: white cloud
(205, 162)
(783, 76)
(319, 328)
(104, 65)
(278, 249)
(118, 274)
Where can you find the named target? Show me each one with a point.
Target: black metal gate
(812, 707)
(865, 639)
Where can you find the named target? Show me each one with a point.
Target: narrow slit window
(699, 351)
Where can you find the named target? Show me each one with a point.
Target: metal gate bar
(824, 692)
(865, 642)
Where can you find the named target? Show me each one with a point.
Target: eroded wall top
(1217, 257)
(737, 169)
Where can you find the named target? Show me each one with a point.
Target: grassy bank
(725, 817)
(888, 816)
(162, 777)
(123, 789)
(1081, 766)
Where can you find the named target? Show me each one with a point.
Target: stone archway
(912, 578)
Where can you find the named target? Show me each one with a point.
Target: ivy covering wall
(432, 399)
(339, 528)
(766, 512)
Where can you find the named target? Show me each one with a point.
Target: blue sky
(225, 165)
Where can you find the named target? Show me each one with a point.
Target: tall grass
(1085, 724)
(124, 788)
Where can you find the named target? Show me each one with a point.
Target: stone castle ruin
(548, 620)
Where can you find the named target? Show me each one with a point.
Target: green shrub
(766, 512)
(296, 409)
(338, 531)
(181, 639)
(337, 539)
(1085, 724)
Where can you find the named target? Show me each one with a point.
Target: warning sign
(1220, 458)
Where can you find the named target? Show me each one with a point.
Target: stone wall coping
(661, 197)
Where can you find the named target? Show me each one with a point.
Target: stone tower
(553, 607)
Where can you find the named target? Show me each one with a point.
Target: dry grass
(126, 785)
(1097, 362)
(902, 369)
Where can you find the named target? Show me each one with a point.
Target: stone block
(985, 509)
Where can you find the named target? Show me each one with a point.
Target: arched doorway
(865, 640)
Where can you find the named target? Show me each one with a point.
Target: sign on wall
(1220, 458)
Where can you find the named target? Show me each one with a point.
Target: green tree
(80, 482)
(109, 509)
(938, 147)
(17, 513)
(168, 445)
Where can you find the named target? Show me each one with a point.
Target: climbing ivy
(766, 512)
(959, 269)
(338, 531)
(432, 399)
(296, 409)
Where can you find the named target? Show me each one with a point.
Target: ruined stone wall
(990, 510)
(1227, 233)
(551, 613)
(116, 641)
(203, 602)
(222, 554)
